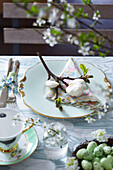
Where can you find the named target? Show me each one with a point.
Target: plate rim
(17, 161)
(23, 94)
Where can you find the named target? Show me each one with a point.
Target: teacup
(11, 131)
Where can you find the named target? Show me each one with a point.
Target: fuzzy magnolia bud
(51, 84)
(76, 88)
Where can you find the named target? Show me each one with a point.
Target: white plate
(33, 90)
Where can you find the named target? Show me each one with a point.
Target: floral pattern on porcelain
(19, 153)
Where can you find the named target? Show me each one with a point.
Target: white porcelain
(10, 132)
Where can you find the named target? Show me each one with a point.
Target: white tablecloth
(76, 128)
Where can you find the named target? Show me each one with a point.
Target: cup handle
(28, 127)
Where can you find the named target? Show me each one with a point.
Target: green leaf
(102, 54)
(53, 31)
(34, 9)
(96, 47)
(84, 69)
(86, 2)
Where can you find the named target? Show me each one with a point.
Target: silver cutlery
(4, 93)
(11, 97)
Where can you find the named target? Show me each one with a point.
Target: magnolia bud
(76, 81)
(76, 88)
(51, 84)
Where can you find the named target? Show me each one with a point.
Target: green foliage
(55, 32)
(86, 2)
(84, 69)
(34, 9)
(83, 37)
(96, 47)
(102, 54)
(79, 12)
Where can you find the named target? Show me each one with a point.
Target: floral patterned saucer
(26, 146)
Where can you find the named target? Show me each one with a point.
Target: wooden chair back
(22, 33)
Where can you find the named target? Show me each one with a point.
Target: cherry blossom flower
(100, 135)
(84, 50)
(96, 15)
(70, 8)
(51, 41)
(72, 164)
(47, 33)
(72, 39)
(40, 22)
(90, 119)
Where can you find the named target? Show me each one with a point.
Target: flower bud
(76, 81)
(76, 88)
(51, 84)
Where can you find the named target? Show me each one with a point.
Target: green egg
(102, 145)
(110, 157)
(106, 164)
(98, 151)
(88, 155)
(97, 166)
(107, 150)
(80, 153)
(96, 159)
(112, 150)
(86, 165)
(91, 146)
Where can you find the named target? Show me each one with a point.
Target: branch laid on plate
(75, 88)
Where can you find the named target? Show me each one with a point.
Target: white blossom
(96, 15)
(84, 50)
(38, 120)
(100, 135)
(34, 24)
(63, 1)
(53, 17)
(90, 119)
(14, 124)
(51, 41)
(76, 88)
(44, 125)
(62, 16)
(71, 22)
(51, 84)
(42, 13)
(72, 164)
(100, 114)
(72, 39)
(58, 127)
(70, 8)
(106, 107)
(47, 33)
(40, 22)
(49, 2)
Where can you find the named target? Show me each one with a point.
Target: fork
(11, 100)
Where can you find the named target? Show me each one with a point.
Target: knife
(4, 93)
(16, 66)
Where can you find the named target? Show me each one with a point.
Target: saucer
(26, 146)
